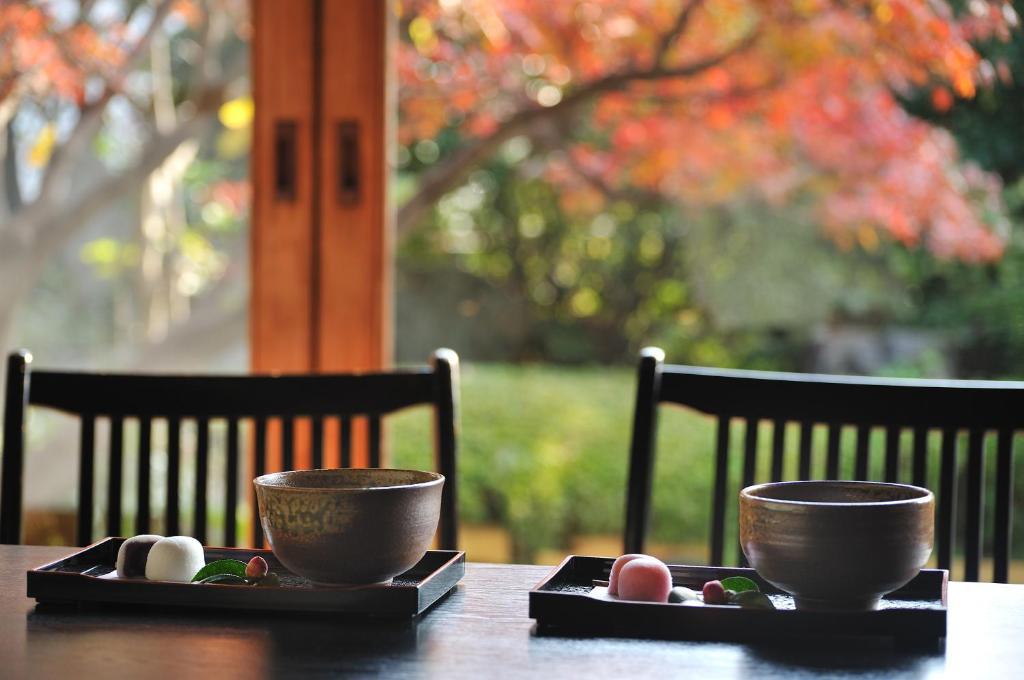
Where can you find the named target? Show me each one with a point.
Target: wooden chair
(948, 406)
(203, 399)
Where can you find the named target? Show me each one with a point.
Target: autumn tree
(702, 101)
(144, 78)
(695, 101)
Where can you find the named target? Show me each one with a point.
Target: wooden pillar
(321, 246)
(354, 239)
(281, 313)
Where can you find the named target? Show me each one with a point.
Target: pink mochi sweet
(613, 578)
(646, 579)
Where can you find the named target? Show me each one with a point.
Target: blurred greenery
(544, 453)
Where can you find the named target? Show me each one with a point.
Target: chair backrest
(202, 399)
(948, 406)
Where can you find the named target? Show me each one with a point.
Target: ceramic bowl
(349, 526)
(837, 545)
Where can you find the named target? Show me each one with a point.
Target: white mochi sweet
(133, 554)
(175, 558)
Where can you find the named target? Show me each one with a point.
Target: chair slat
(142, 512)
(975, 514)
(446, 417)
(1004, 507)
(202, 474)
(944, 521)
(806, 437)
(172, 523)
(115, 473)
(86, 465)
(750, 452)
(892, 453)
(287, 443)
(721, 480)
(749, 467)
(374, 421)
(920, 460)
(832, 454)
(318, 442)
(12, 460)
(778, 449)
(231, 486)
(260, 462)
(863, 453)
(345, 442)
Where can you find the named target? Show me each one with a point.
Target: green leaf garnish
(233, 567)
(739, 584)
(752, 599)
(226, 579)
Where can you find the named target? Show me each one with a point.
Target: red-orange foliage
(42, 57)
(705, 100)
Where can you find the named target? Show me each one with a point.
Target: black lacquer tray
(566, 603)
(83, 578)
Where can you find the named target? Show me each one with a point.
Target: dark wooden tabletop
(481, 631)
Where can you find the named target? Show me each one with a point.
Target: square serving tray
(565, 603)
(84, 578)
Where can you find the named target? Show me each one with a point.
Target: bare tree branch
(9, 171)
(84, 7)
(738, 93)
(599, 184)
(441, 178)
(47, 224)
(90, 118)
(674, 33)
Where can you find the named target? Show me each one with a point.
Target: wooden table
(479, 631)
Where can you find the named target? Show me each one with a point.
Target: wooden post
(281, 310)
(321, 246)
(354, 239)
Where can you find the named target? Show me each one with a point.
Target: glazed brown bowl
(349, 526)
(837, 545)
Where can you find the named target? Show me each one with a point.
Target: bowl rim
(267, 481)
(749, 493)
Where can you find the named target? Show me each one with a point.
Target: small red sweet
(256, 568)
(714, 593)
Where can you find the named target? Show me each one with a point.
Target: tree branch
(41, 226)
(12, 187)
(90, 118)
(600, 185)
(674, 33)
(441, 178)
